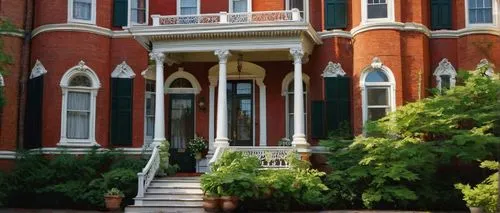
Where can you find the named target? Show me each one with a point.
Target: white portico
(286, 39)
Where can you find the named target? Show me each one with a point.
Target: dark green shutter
(337, 103)
(120, 13)
(121, 111)
(33, 119)
(440, 14)
(335, 14)
(318, 119)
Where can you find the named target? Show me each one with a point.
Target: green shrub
(484, 194)
(411, 158)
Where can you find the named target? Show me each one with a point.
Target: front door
(181, 130)
(240, 112)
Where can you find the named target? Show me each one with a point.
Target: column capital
(297, 54)
(223, 55)
(159, 57)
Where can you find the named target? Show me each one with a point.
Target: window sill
(81, 21)
(77, 143)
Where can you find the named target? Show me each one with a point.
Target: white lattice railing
(148, 172)
(271, 157)
(293, 15)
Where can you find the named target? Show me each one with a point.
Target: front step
(178, 194)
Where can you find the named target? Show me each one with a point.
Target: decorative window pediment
(445, 74)
(38, 70)
(490, 72)
(80, 69)
(333, 70)
(123, 70)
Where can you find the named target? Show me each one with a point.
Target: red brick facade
(411, 55)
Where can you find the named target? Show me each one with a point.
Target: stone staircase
(172, 194)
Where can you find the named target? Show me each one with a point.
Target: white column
(159, 134)
(299, 137)
(211, 116)
(222, 139)
(262, 111)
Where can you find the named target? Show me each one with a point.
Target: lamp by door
(201, 104)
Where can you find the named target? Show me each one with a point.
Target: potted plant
(210, 183)
(284, 142)
(197, 146)
(113, 199)
(478, 197)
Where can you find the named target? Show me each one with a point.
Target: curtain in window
(299, 4)
(150, 115)
(480, 11)
(240, 6)
(138, 11)
(189, 7)
(181, 123)
(377, 8)
(78, 115)
(82, 9)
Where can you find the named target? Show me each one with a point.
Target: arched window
(288, 92)
(445, 75)
(79, 86)
(378, 91)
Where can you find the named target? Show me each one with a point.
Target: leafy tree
(5, 59)
(412, 157)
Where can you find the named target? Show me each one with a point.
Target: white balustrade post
(222, 139)
(159, 129)
(156, 20)
(140, 189)
(299, 137)
(295, 14)
(223, 17)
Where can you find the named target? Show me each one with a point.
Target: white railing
(293, 15)
(148, 172)
(271, 157)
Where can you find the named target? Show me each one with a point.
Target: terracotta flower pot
(113, 202)
(476, 210)
(198, 156)
(211, 204)
(229, 203)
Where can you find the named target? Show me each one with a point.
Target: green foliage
(5, 59)
(114, 192)
(484, 194)
(197, 145)
(165, 167)
(70, 181)
(411, 158)
(236, 174)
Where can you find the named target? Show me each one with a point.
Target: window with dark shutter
(440, 14)
(121, 111)
(337, 102)
(318, 119)
(120, 13)
(33, 120)
(335, 14)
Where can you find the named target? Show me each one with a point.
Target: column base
(303, 147)
(221, 142)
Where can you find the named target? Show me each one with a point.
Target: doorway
(240, 112)
(181, 130)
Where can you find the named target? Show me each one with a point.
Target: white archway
(388, 84)
(180, 73)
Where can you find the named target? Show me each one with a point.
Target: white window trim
(197, 9)
(445, 68)
(249, 6)
(92, 15)
(147, 141)
(80, 69)
(129, 14)
(495, 6)
(180, 73)
(364, 13)
(284, 92)
(391, 85)
(306, 8)
(2, 82)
